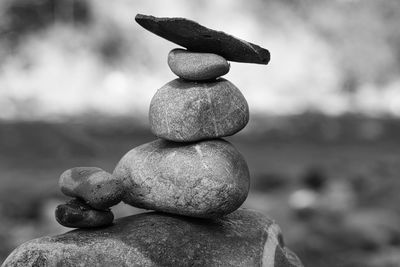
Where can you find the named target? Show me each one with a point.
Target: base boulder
(243, 238)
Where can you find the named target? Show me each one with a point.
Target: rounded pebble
(184, 111)
(197, 66)
(98, 188)
(77, 214)
(206, 179)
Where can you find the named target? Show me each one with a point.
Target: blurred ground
(336, 199)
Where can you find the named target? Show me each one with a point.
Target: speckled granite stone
(198, 38)
(197, 66)
(205, 179)
(184, 111)
(243, 238)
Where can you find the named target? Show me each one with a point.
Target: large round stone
(243, 238)
(184, 111)
(205, 179)
(197, 66)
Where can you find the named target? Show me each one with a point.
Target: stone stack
(94, 192)
(191, 171)
(188, 171)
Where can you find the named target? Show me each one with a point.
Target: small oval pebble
(197, 66)
(98, 188)
(206, 179)
(77, 214)
(184, 111)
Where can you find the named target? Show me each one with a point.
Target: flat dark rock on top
(243, 238)
(198, 38)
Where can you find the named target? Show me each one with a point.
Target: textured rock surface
(198, 38)
(197, 66)
(243, 238)
(77, 214)
(185, 111)
(204, 179)
(98, 188)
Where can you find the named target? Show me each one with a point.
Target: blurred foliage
(352, 45)
(24, 17)
(363, 34)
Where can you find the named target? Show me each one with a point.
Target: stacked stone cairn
(188, 171)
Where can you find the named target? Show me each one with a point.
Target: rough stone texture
(197, 66)
(98, 188)
(184, 111)
(243, 238)
(205, 179)
(198, 38)
(77, 214)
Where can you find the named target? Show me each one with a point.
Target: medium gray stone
(243, 238)
(77, 214)
(184, 111)
(197, 66)
(198, 38)
(98, 188)
(205, 179)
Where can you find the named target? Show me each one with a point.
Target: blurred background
(322, 145)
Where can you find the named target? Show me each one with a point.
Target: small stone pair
(94, 191)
